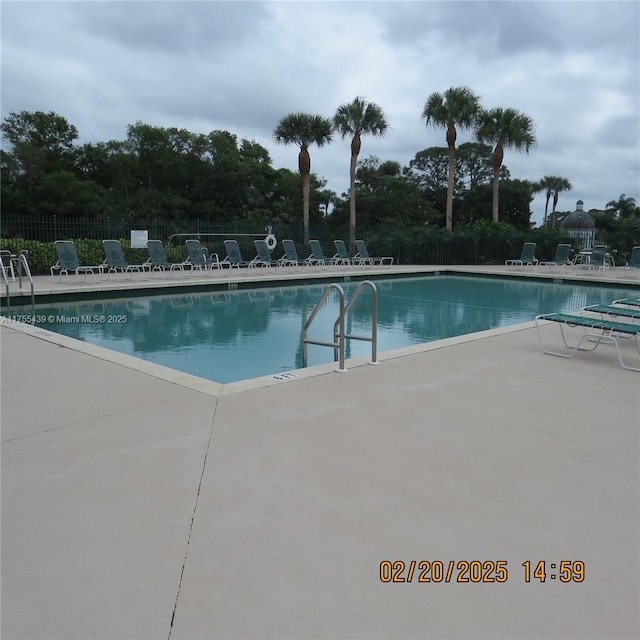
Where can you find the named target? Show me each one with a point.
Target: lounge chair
(264, 257)
(629, 302)
(561, 258)
(527, 257)
(365, 258)
(597, 259)
(6, 266)
(317, 254)
(613, 310)
(234, 256)
(158, 259)
(115, 260)
(198, 258)
(595, 331)
(68, 262)
(634, 259)
(342, 255)
(290, 256)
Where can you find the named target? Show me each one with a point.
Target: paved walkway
(140, 507)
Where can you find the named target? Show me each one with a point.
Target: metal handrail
(6, 284)
(268, 229)
(339, 335)
(374, 319)
(22, 262)
(338, 347)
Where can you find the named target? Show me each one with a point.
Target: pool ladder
(339, 335)
(21, 261)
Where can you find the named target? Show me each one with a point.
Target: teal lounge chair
(527, 257)
(594, 330)
(342, 255)
(115, 260)
(634, 258)
(290, 256)
(365, 258)
(597, 259)
(158, 259)
(563, 251)
(614, 310)
(609, 254)
(629, 302)
(264, 257)
(290, 251)
(317, 254)
(198, 258)
(68, 262)
(234, 256)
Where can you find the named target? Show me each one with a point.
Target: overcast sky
(573, 67)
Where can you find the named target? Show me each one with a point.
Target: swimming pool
(241, 334)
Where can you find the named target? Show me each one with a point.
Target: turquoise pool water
(241, 334)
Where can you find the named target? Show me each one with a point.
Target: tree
(40, 143)
(624, 207)
(284, 198)
(303, 129)
(62, 193)
(458, 106)
(428, 170)
(47, 131)
(546, 184)
(473, 165)
(356, 119)
(559, 184)
(504, 128)
(385, 197)
(553, 185)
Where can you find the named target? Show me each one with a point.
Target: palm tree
(553, 185)
(357, 119)
(457, 106)
(558, 185)
(504, 128)
(545, 185)
(623, 206)
(304, 129)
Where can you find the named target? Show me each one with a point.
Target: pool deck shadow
(139, 505)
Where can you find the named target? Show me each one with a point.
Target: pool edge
(216, 389)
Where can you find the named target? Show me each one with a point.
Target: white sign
(139, 239)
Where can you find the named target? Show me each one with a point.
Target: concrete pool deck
(140, 505)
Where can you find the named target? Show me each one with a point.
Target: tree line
(172, 173)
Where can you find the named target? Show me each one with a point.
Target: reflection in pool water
(242, 334)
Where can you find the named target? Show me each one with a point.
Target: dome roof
(579, 219)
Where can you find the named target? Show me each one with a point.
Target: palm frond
(508, 128)
(457, 106)
(303, 129)
(360, 117)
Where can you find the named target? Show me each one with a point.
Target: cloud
(241, 66)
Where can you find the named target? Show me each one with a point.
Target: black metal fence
(407, 246)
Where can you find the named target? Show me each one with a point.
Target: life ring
(271, 241)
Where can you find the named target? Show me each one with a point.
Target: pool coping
(215, 389)
(46, 291)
